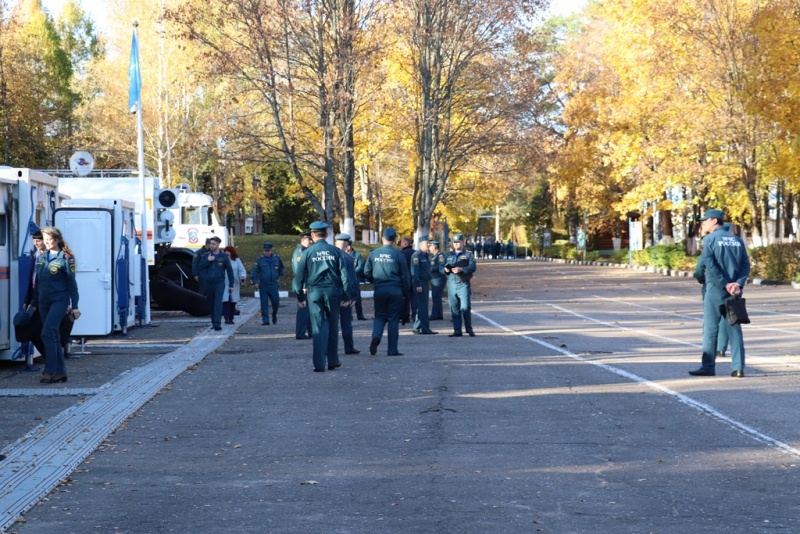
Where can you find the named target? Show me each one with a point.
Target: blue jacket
(463, 259)
(216, 270)
(266, 271)
(55, 278)
(725, 260)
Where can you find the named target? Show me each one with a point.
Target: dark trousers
(268, 294)
(216, 290)
(437, 291)
(422, 321)
(359, 306)
(713, 311)
(302, 322)
(346, 322)
(324, 311)
(458, 295)
(52, 312)
(388, 306)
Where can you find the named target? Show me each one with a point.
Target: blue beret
(318, 225)
(267, 246)
(389, 233)
(458, 237)
(342, 237)
(713, 214)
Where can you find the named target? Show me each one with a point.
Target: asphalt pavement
(571, 411)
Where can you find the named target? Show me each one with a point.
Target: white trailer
(102, 235)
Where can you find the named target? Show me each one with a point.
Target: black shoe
(720, 354)
(264, 323)
(737, 374)
(396, 354)
(436, 318)
(228, 322)
(703, 372)
(319, 370)
(217, 327)
(427, 332)
(354, 351)
(275, 318)
(471, 333)
(362, 318)
(373, 347)
(334, 367)
(455, 334)
(302, 337)
(416, 332)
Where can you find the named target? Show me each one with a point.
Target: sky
(98, 9)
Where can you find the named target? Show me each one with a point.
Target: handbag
(736, 311)
(24, 329)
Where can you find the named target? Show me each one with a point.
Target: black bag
(736, 311)
(24, 329)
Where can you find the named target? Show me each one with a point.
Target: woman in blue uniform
(55, 294)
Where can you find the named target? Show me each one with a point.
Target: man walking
(409, 304)
(341, 241)
(459, 266)
(438, 280)
(319, 281)
(265, 274)
(212, 269)
(386, 269)
(420, 282)
(302, 322)
(727, 267)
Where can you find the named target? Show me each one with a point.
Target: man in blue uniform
(302, 323)
(386, 269)
(212, 269)
(420, 282)
(199, 255)
(459, 266)
(265, 274)
(727, 267)
(359, 263)
(320, 280)
(348, 301)
(700, 276)
(438, 280)
(409, 304)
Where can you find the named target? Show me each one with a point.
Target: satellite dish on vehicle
(81, 163)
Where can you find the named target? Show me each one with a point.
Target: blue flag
(135, 77)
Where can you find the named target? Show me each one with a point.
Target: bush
(776, 262)
(664, 256)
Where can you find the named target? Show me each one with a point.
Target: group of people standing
(326, 281)
(494, 249)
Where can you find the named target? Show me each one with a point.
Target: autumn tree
(453, 47)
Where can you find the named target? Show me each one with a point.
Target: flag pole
(135, 106)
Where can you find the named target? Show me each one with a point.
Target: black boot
(468, 324)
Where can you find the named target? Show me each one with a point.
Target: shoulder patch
(415, 260)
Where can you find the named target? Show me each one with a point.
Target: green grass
(250, 247)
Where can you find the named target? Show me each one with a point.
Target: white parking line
(651, 334)
(680, 397)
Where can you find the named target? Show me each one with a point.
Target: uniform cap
(458, 237)
(37, 234)
(713, 214)
(305, 234)
(434, 242)
(389, 233)
(424, 238)
(267, 246)
(342, 237)
(318, 225)
(214, 238)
